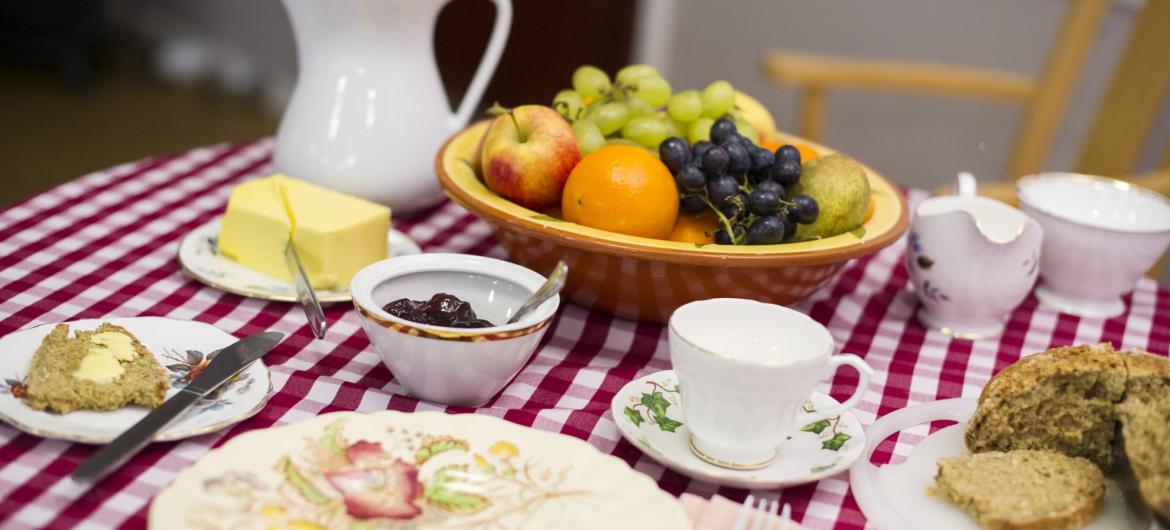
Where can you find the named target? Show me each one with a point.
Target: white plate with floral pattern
(200, 258)
(648, 413)
(182, 347)
(419, 471)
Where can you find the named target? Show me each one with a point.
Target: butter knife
(225, 365)
(305, 294)
(296, 270)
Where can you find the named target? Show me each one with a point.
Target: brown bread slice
(1061, 400)
(51, 385)
(1145, 427)
(1022, 490)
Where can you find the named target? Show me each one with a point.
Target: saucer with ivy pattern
(648, 413)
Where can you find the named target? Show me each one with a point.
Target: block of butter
(335, 235)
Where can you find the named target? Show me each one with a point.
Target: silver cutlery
(764, 514)
(305, 294)
(550, 288)
(225, 365)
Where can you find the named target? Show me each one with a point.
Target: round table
(104, 245)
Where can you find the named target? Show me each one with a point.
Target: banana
(754, 112)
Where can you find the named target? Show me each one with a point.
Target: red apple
(528, 154)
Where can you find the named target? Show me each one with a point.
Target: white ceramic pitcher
(369, 112)
(971, 260)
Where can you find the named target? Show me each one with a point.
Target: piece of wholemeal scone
(104, 369)
(1061, 400)
(1022, 490)
(1145, 426)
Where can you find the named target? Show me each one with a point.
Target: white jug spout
(994, 221)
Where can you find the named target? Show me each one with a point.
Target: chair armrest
(827, 72)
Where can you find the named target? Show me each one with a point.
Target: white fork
(765, 515)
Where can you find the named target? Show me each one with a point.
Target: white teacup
(745, 369)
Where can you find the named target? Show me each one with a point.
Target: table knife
(305, 294)
(225, 365)
(296, 270)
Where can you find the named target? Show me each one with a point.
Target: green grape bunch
(638, 105)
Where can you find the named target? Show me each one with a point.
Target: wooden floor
(50, 134)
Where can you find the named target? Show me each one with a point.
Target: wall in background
(916, 140)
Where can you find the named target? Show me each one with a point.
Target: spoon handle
(552, 286)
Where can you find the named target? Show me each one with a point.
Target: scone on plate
(1061, 400)
(1145, 427)
(1071, 400)
(1022, 490)
(104, 369)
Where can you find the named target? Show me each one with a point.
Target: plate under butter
(200, 258)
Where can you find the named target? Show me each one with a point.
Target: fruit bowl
(647, 279)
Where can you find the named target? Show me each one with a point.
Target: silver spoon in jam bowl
(551, 287)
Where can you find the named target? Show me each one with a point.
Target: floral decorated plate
(419, 471)
(200, 258)
(648, 412)
(183, 347)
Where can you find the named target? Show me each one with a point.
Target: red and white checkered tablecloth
(105, 244)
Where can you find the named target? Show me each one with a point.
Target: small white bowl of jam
(426, 314)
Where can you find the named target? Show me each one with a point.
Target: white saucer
(893, 497)
(178, 345)
(200, 258)
(817, 449)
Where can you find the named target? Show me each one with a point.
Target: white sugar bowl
(1100, 236)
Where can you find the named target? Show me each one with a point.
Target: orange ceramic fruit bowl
(647, 279)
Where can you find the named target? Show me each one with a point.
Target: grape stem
(722, 220)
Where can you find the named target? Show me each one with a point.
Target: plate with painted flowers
(418, 471)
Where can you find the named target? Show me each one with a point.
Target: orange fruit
(622, 189)
(868, 211)
(694, 229)
(806, 152)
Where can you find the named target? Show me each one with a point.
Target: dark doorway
(549, 39)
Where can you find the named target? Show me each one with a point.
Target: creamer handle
(487, 65)
(965, 184)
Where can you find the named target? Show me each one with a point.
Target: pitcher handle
(487, 64)
(863, 373)
(965, 184)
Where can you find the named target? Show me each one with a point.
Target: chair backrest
(1138, 88)
(1054, 87)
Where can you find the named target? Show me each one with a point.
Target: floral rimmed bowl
(182, 347)
(422, 471)
(647, 279)
(455, 366)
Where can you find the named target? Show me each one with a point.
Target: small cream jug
(971, 260)
(369, 112)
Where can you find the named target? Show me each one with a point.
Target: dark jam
(441, 310)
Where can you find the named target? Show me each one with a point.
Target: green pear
(841, 189)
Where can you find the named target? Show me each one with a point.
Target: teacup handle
(863, 373)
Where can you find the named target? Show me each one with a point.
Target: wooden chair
(1117, 135)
